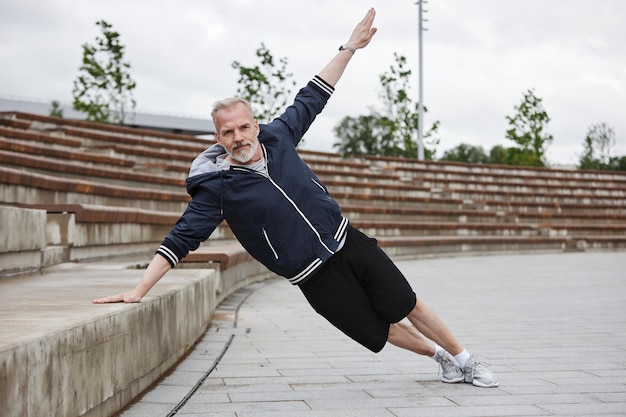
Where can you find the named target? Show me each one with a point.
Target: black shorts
(360, 291)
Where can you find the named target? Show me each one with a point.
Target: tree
(55, 109)
(528, 131)
(498, 155)
(598, 147)
(391, 130)
(466, 153)
(618, 163)
(364, 135)
(266, 86)
(103, 89)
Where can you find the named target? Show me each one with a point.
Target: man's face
(238, 132)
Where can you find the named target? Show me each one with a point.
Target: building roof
(154, 121)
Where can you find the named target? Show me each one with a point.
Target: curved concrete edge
(137, 347)
(62, 355)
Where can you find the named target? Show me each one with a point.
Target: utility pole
(420, 105)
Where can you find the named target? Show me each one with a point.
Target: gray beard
(244, 158)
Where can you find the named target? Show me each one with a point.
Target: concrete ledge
(77, 232)
(20, 262)
(20, 251)
(14, 221)
(66, 356)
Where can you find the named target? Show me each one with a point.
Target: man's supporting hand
(155, 271)
(127, 297)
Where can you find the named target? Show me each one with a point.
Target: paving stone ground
(553, 326)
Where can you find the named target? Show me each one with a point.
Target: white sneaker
(451, 371)
(477, 373)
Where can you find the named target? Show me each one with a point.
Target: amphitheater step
(412, 247)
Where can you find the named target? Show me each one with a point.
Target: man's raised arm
(360, 38)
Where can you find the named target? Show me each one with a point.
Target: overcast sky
(480, 57)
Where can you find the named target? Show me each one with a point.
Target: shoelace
(478, 363)
(446, 362)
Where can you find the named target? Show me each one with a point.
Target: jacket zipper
(269, 243)
(304, 217)
(293, 203)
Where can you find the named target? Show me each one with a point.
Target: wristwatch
(347, 48)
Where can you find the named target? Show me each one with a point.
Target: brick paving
(553, 326)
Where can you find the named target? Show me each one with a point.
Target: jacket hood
(204, 165)
(207, 161)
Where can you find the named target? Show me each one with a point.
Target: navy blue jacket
(286, 220)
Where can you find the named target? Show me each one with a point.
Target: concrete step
(502, 196)
(383, 229)
(415, 247)
(50, 354)
(445, 169)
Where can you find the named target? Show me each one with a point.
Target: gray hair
(228, 103)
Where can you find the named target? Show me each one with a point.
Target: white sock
(462, 358)
(437, 354)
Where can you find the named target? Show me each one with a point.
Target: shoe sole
(481, 385)
(453, 381)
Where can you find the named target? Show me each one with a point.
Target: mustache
(241, 145)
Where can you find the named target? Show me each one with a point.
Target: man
(283, 216)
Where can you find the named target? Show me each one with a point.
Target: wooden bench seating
(45, 161)
(538, 196)
(145, 156)
(412, 247)
(89, 213)
(227, 254)
(62, 154)
(74, 169)
(28, 120)
(386, 228)
(451, 228)
(462, 188)
(469, 215)
(64, 161)
(21, 187)
(97, 137)
(403, 200)
(343, 174)
(516, 174)
(38, 137)
(438, 176)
